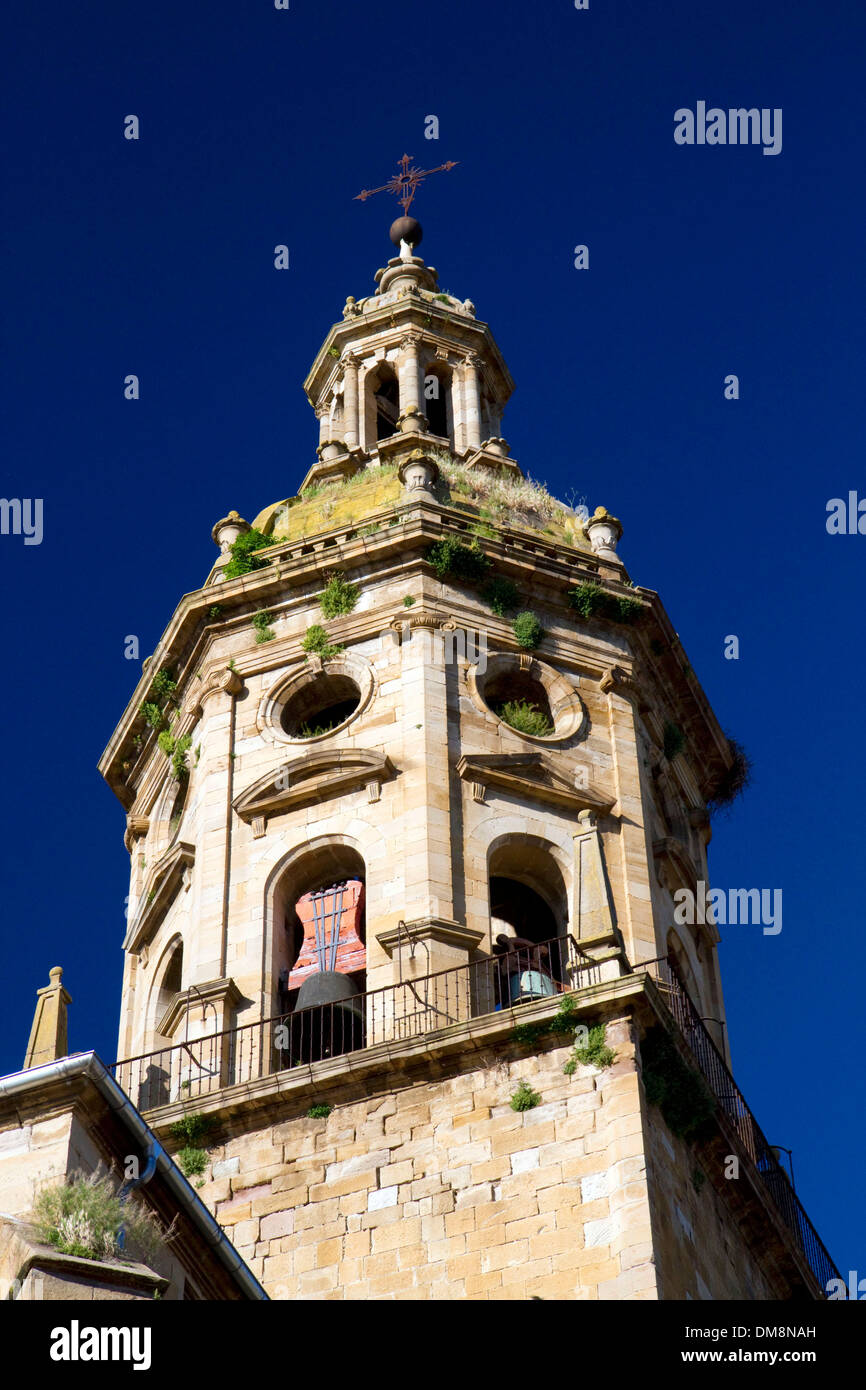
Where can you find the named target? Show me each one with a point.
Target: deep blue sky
(156, 257)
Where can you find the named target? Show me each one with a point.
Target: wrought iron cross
(405, 184)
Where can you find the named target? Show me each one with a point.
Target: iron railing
(424, 1004)
(412, 1008)
(732, 1103)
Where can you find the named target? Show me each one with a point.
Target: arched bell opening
(382, 402)
(323, 972)
(155, 1083)
(528, 922)
(678, 953)
(438, 405)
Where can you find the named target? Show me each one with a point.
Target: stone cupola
(408, 366)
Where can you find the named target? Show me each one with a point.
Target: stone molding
(223, 995)
(317, 776)
(274, 699)
(170, 871)
(529, 775)
(222, 680)
(438, 929)
(136, 826)
(566, 707)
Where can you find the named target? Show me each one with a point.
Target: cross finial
(405, 184)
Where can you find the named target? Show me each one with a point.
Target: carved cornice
(440, 929)
(670, 853)
(160, 887)
(621, 683)
(214, 992)
(529, 775)
(223, 679)
(319, 775)
(135, 827)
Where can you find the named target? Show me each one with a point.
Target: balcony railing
(426, 1004)
(730, 1100)
(411, 1008)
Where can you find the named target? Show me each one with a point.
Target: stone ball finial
(226, 531)
(603, 531)
(55, 974)
(418, 472)
(407, 229)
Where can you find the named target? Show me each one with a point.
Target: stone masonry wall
(700, 1251)
(437, 1189)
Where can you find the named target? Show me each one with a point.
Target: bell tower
(411, 782)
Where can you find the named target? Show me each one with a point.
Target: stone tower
(410, 782)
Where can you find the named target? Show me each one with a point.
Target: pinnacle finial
(48, 1034)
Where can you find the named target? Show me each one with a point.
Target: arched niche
(528, 896)
(324, 866)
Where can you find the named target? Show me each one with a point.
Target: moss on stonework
(482, 497)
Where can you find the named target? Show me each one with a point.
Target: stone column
(472, 401)
(410, 375)
(351, 434)
(323, 415)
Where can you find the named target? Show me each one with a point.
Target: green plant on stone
(525, 717)
(316, 730)
(244, 554)
(215, 612)
(674, 740)
(166, 742)
(192, 1161)
(408, 601)
(628, 610)
(262, 625)
(529, 1032)
(527, 630)
(152, 713)
(524, 1098)
(591, 601)
(164, 684)
(686, 1102)
(451, 557)
(734, 780)
(590, 1049)
(83, 1216)
(587, 599)
(179, 764)
(339, 596)
(319, 1112)
(561, 1022)
(501, 595)
(316, 640)
(192, 1128)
